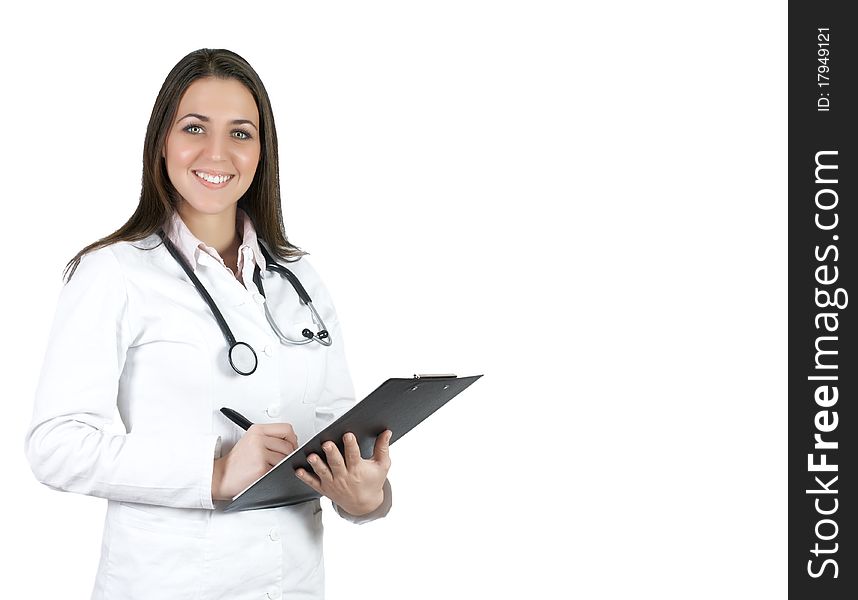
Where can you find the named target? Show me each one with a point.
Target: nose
(214, 148)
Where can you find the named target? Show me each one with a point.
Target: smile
(213, 179)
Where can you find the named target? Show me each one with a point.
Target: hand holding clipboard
(397, 405)
(353, 483)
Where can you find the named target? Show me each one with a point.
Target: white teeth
(213, 178)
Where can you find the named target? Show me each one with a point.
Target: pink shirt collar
(190, 247)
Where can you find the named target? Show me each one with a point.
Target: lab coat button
(273, 593)
(273, 410)
(269, 351)
(274, 534)
(260, 299)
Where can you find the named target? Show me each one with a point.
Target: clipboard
(398, 404)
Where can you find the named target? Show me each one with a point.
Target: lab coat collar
(191, 247)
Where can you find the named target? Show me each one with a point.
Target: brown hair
(158, 196)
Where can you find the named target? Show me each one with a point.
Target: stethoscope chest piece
(242, 358)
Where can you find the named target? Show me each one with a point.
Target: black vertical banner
(823, 371)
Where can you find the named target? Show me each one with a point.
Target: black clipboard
(397, 404)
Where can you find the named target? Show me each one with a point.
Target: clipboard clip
(432, 375)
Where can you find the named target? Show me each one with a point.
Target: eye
(244, 134)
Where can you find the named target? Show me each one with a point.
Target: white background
(586, 202)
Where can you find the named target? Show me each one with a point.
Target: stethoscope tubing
(227, 332)
(323, 337)
(235, 347)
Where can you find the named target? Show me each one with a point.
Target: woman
(132, 332)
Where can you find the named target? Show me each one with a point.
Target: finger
(319, 466)
(352, 450)
(283, 431)
(335, 460)
(272, 457)
(278, 444)
(381, 452)
(309, 479)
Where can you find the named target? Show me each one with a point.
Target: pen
(236, 418)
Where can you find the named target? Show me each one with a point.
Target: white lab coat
(131, 331)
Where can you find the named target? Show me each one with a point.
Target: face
(220, 139)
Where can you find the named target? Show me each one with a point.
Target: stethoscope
(242, 356)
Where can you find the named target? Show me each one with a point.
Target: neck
(217, 231)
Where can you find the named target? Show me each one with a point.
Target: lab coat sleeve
(67, 444)
(338, 396)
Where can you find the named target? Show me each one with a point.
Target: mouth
(212, 181)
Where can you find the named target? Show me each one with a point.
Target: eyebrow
(206, 119)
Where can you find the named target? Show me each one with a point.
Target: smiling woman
(208, 218)
(208, 96)
(211, 155)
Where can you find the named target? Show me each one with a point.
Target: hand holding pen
(258, 450)
(353, 483)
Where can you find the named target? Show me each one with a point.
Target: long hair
(158, 197)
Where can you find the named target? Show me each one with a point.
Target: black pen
(236, 418)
